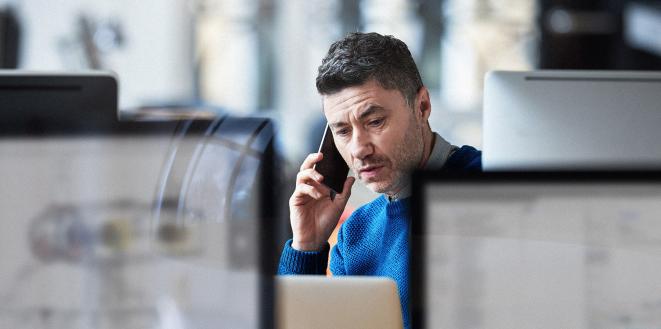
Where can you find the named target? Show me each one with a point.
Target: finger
(325, 190)
(306, 190)
(346, 189)
(308, 175)
(300, 197)
(310, 160)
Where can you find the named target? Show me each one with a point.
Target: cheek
(344, 152)
(395, 137)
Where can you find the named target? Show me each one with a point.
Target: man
(378, 111)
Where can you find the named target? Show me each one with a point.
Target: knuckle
(292, 200)
(304, 174)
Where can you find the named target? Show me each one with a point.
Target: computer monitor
(67, 104)
(571, 119)
(536, 250)
(106, 223)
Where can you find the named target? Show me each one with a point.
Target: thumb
(346, 190)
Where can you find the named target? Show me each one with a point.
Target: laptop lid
(339, 302)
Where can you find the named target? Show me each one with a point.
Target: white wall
(155, 62)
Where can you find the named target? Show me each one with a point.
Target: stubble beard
(406, 157)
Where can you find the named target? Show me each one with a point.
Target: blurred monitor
(571, 119)
(111, 224)
(536, 250)
(65, 104)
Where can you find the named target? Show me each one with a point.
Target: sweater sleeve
(337, 260)
(293, 261)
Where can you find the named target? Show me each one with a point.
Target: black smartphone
(332, 166)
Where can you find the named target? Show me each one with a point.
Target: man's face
(377, 133)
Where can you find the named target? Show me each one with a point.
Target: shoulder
(466, 159)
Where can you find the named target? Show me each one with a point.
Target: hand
(313, 214)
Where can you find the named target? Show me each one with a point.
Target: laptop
(541, 250)
(360, 302)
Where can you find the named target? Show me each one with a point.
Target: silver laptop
(571, 119)
(340, 302)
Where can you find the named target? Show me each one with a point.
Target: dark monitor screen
(65, 104)
(537, 250)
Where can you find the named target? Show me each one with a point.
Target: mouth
(369, 172)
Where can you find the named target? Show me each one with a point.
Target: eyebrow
(372, 109)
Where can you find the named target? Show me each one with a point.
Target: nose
(361, 146)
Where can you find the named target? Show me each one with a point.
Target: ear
(423, 104)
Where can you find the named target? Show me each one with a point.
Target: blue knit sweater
(374, 240)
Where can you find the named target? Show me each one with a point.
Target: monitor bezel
(423, 178)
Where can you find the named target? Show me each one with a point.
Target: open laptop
(306, 301)
(536, 250)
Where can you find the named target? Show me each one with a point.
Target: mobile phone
(332, 166)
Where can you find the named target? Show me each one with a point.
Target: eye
(342, 132)
(375, 123)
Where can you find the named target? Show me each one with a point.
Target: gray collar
(440, 153)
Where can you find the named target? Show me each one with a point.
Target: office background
(259, 57)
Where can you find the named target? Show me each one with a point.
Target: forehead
(354, 100)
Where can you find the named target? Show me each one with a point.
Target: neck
(428, 144)
(397, 195)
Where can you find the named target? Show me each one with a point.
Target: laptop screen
(537, 250)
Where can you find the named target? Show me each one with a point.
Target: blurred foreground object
(129, 224)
